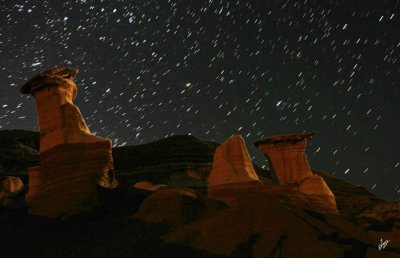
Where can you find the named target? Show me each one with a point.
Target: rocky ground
(180, 219)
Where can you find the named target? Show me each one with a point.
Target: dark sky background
(150, 69)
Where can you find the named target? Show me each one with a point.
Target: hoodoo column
(288, 161)
(73, 161)
(286, 156)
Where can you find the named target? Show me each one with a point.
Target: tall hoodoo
(286, 156)
(288, 161)
(73, 161)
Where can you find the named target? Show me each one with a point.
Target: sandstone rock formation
(176, 161)
(176, 207)
(148, 186)
(273, 222)
(10, 186)
(73, 161)
(265, 221)
(232, 163)
(384, 211)
(315, 187)
(170, 206)
(232, 169)
(286, 156)
(288, 161)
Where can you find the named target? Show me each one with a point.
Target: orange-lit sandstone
(73, 161)
(315, 187)
(148, 186)
(232, 170)
(288, 161)
(232, 163)
(9, 186)
(286, 156)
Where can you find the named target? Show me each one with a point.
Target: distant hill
(28, 138)
(182, 148)
(19, 149)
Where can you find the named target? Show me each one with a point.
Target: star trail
(152, 69)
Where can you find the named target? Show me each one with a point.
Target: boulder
(10, 186)
(173, 206)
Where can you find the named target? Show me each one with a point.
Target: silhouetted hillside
(18, 150)
(265, 220)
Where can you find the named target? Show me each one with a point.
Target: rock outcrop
(176, 207)
(286, 156)
(73, 161)
(10, 189)
(176, 161)
(264, 221)
(232, 163)
(288, 161)
(323, 198)
(232, 168)
(384, 212)
(257, 220)
(350, 199)
(10, 186)
(276, 221)
(148, 186)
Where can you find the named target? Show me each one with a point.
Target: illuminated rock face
(286, 156)
(73, 161)
(315, 187)
(288, 161)
(9, 186)
(232, 164)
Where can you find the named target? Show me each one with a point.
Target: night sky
(151, 69)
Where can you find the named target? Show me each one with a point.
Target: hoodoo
(288, 161)
(232, 163)
(286, 156)
(232, 168)
(73, 161)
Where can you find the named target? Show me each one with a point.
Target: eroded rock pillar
(73, 161)
(232, 163)
(288, 161)
(286, 156)
(232, 169)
